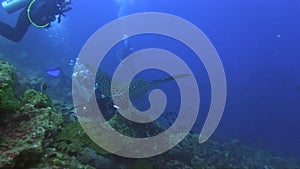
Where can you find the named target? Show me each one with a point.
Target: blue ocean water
(257, 41)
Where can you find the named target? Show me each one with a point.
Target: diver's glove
(63, 6)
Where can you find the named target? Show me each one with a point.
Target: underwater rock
(185, 149)
(68, 111)
(24, 82)
(26, 125)
(8, 101)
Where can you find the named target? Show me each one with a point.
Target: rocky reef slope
(37, 133)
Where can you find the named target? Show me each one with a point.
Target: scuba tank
(12, 6)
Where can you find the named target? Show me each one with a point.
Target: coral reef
(27, 124)
(57, 160)
(24, 133)
(8, 101)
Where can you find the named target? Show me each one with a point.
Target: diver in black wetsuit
(38, 13)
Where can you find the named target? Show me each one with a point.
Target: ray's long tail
(167, 79)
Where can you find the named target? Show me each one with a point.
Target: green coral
(28, 157)
(8, 101)
(37, 99)
(133, 129)
(201, 165)
(57, 160)
(73, 138)
(25, 138)
(143, 164)
(22, 140)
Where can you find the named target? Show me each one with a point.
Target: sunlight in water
(58, 32)
(124, 4)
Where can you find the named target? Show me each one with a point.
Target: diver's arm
(16, 33)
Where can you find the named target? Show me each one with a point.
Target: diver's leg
(15, 33)
(22, 25)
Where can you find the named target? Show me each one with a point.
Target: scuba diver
(39, 13)
(126, 50)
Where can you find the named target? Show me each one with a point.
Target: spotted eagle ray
(137, 87)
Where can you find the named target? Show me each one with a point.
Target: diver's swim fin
(55, 72)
